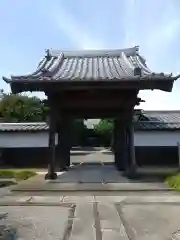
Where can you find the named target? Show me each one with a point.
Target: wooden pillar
(52, 144)
(178, 148)
(120, 150)
(131, 160)
(64, 142)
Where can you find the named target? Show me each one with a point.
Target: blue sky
(29, 27)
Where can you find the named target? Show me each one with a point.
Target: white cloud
(158, 100)
(156, 33)
(129, 15)
(76, 32)
(153, 26)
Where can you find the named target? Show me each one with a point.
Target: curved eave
(7, 80)
(43, 79)
(141, 83)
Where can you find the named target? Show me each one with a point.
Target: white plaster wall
(156, 138)
(15, 140)
(40, 139)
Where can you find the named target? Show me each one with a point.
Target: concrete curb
(81, 152)
(107, 153)
(106, 150)
(70, 204)
(29, 204)
(72, 187)
(92, 163)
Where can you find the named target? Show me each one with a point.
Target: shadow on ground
(97, 173)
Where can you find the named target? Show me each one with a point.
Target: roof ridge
(90, 53)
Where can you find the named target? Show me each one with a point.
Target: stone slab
(109, 199)
(111, 217)
(111, 224)
(153, 221)
(152, 199)
(14, 199)
(83, 226)
(113, 235)
(46, 199)
(78, 199)
(40, 223)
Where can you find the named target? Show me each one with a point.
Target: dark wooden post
(131, 161)
(120, 151)
(52, 144)
(64, 142)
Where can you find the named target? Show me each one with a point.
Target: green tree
(105, 129)
(105, 126)
(21, 108)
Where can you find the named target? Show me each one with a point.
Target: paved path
(91, 217)
(95, 156)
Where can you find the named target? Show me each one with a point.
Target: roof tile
(90, 65)
(159, 120)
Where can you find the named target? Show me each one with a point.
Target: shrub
(174, 181)
(6, 174)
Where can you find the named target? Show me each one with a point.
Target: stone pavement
(91, 177)
(91, 217)
(55, 210)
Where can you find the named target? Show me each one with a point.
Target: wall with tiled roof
(147, 120)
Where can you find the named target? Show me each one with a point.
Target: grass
(23, 169)
(173, 181)
(16, 174)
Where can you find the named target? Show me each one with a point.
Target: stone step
(57, 187)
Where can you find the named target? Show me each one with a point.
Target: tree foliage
(105, 129)
(105, 126)
(21, 108)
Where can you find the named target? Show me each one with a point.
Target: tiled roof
(163, 116)
(159, 120)
(91, 65)
(148, 120)
(157, 126)
(23, 127)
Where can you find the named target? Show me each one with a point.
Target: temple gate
(92, 84)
